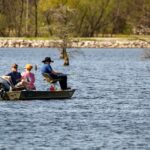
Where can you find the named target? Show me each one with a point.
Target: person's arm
(49, 68)
(55, 72)
(24, 78)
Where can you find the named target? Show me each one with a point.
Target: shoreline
(76, 43)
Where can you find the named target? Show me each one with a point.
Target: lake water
(110, 109)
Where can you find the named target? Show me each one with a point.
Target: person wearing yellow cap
(28, 77)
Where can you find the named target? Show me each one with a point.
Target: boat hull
(38, 95)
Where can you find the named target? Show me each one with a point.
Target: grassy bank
(119, 41)
(114, 37)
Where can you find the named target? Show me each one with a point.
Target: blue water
(110, 109)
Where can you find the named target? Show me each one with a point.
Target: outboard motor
(4, 86)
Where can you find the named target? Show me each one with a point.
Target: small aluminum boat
(37, 95)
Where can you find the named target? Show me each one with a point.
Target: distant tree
(21, 18)
(139, 16)
(92, 16)
(59, 16)
(63, 29)
(36, 17)
(119, 16)
(88, 18)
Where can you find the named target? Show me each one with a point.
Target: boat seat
(49, 79)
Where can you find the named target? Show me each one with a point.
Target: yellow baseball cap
(28, 67)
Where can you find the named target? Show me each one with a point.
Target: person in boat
(12, 80)
(28, 77)
(14, 77)
(46, 68)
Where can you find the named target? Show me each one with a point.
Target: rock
(105, 43)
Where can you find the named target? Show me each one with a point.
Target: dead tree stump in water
(64, 55)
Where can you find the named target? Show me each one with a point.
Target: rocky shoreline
(103, 43)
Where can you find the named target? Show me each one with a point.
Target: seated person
(14, 76)
(46, 68)
(28, 77)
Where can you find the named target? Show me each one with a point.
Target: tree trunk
(20, 21)
(48, 22)
(36, 18)
(66, 58)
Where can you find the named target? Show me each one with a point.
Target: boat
(19, 93)
(37, 95)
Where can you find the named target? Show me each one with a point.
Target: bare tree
(36, 17)
(63, 27)
(21, 18)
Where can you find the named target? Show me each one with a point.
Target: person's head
(28, 67)
(47, 60)
(14, 67)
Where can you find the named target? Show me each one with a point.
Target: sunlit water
(110, 109)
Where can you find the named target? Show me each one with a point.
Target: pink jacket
(30, 78)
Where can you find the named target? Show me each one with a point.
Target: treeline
(78, 18)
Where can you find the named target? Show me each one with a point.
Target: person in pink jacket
(28, 77)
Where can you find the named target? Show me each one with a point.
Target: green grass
(117, 37)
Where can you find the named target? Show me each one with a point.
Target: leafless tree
(63, 28)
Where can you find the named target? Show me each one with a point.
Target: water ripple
(110, 108)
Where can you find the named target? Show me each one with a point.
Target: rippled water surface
(110, 109)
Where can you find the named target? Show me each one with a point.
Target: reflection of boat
(37, 95)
